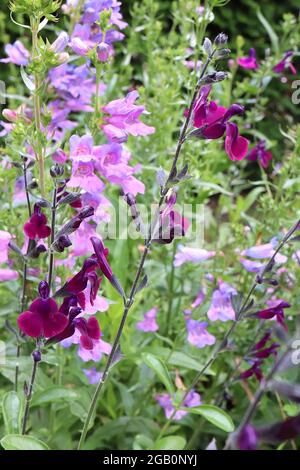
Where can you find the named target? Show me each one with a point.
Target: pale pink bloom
(149, 321)
(198, 335)
(124, 119)
(194, 255)
(221, 306)
(5, 238)
(8, 275)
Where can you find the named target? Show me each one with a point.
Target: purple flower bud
(61, 243)
(103, 51)
(44, 290)
(60, 43)
(37, 356)
(221, 39)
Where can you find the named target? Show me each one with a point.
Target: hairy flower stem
(147, 245)
(37, 109)
(223, 343)
(28, 392)
(24, 283)
(53, 220)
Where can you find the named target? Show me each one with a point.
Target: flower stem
(147, 245)
(53, 220)
(28, 393)
(37, 109)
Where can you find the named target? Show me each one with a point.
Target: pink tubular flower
(112, 163)
(260, 154)
(43, 318)
(37, 226)
(249, 62)
(124, 119)
(221, 307)
(17, 54)
(186, 254)
(149, 321)
(5, 238)
(165, 400)
(198, 335)
(8, 275)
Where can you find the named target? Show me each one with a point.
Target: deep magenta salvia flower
(285, 63)
(37, 226)
(43, 318)
(101, 254)
(260, 154)
(236, 146)
(249, 62)
(78, 283)
(276, 309)
(213, 121)
(256, 356)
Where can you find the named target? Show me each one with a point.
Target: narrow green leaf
(12, 412)
(28, 82)
(53, 394)
(19, 442)
(160, 369)
(214, 415)
(272, 35)
(170, 443)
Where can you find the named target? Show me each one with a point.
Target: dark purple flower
(260, 154)
(78, 283)
(43, 317)
(236, 146)
(247, 438)
(276, 309)
(89, 330)
(285, 63)
(212, 122)
(101, 254)
(256, 356)
(37, 226)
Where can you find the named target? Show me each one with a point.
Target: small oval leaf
(160, 369)
(12, 412)
(214, 415)
(19, 442)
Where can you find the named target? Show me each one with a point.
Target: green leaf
(214, 415)
(170, 443)
(53, 394)
(12, 412)
(160, 369)
(272, 35)
(28, 82)
(19, 442)
(180, 359)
